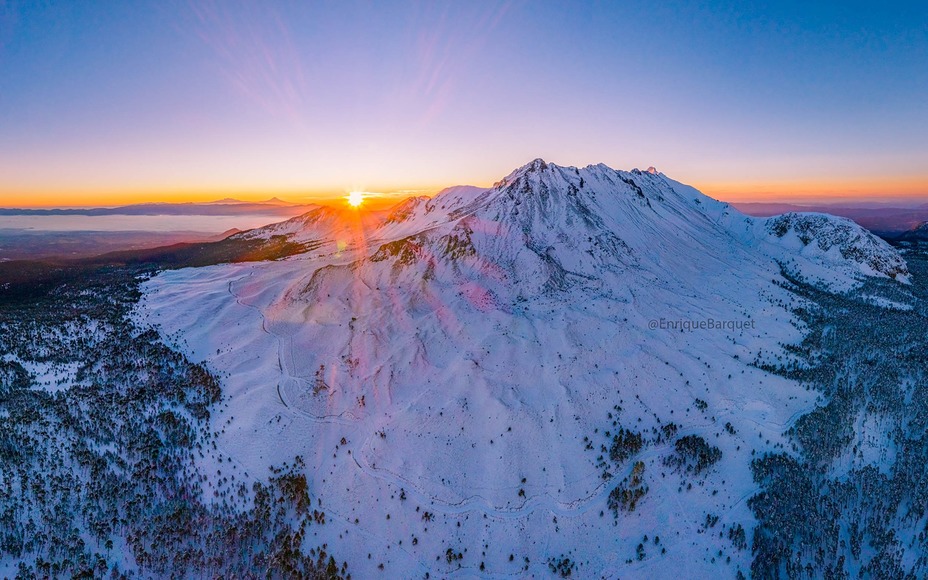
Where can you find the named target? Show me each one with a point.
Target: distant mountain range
(883, 220)
(228, 206)
(35, 233)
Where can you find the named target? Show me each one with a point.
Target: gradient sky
(104, 102)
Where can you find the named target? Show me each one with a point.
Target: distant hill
(885, 221)
(917, 234)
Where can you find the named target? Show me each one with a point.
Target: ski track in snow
(473, 503)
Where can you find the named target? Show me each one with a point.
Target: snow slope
(453, 370)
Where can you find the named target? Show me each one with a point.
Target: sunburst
(355, 198)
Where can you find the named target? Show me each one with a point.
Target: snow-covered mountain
(559, 372)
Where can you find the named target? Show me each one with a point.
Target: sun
(355, 198)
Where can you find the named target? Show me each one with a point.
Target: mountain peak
(537, 164)
(275, 201)
(541, 170)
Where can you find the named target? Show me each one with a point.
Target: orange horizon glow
(309, 102)
(810, 191)
(89, 199)
(818, 191)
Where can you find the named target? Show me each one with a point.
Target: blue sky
(173, 99)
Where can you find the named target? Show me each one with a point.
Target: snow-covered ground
(449, 371)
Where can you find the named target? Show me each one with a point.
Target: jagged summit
(594, 219)
(535, 165)
(550, 179)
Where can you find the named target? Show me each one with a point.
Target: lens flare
(355, 198)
